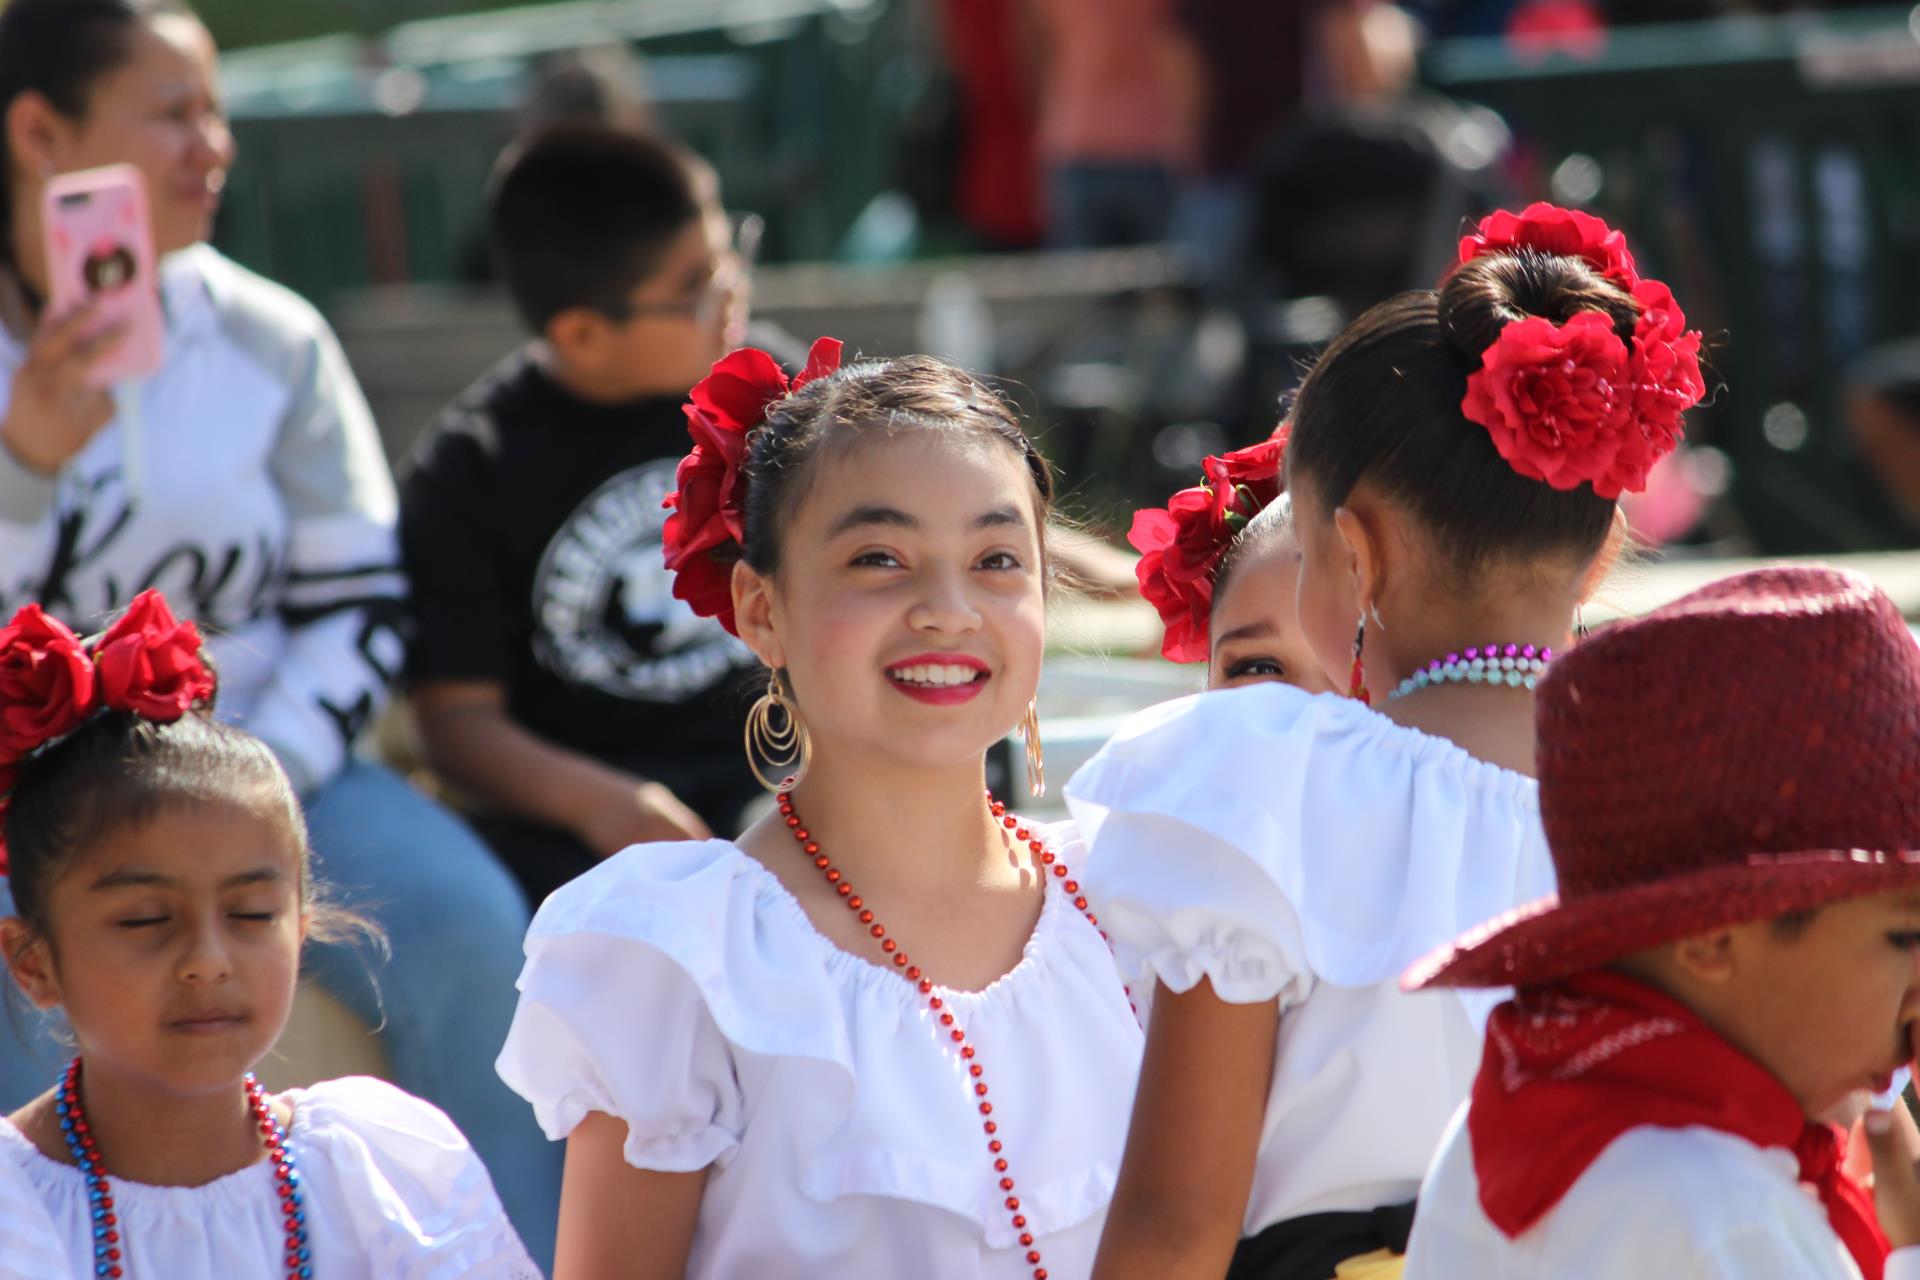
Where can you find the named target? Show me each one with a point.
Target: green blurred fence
(364, 162)
(1771, 169)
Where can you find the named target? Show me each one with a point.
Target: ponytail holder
(147, 664)
(1571, 404)
(710, 485)
(1180, 545)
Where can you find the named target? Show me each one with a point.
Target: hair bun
(1482, 297)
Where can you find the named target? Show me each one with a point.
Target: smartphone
(99, 245)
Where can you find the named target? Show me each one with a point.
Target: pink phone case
(99, 245)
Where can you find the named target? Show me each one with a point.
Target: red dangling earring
(1357, 682)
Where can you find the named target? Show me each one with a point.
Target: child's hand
(639, 814)
(1894, 1140)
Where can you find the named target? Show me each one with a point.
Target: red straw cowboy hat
(1749, 750)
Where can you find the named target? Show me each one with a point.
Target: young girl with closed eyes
(159, 867)
(881, 1034)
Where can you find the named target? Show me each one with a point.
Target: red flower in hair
(150, 662)
(1572, 404)
(46, 683)
(1180, 546)
(1551, 229)
(1666, 370)
(1557, 400)
(709, 498)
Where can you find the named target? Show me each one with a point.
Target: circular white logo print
(603, 606)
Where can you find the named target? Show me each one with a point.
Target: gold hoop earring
(777, 741)
(1029, 730)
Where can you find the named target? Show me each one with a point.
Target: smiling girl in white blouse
(881, 1034)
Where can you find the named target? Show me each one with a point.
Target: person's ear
(1361, 548)
(756, 615)
(578, 335)
(1609, 557)
(35, 132)
(1707, 957)
(30, 961)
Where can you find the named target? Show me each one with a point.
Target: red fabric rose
(1557, 401)
(1551, 229)
(47, 685)
(1665, 368)
(150, 662)
(1180, 546)
(709, 497)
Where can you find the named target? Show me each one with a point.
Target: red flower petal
(1551, 229)
(822, 359)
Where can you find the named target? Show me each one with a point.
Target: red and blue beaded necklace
(107, 1256)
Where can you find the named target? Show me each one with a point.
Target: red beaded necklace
(911, 972)
(106, 1225)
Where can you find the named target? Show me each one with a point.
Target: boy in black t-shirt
(571, 701)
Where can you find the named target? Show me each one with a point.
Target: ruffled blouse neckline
(867, 972)
(239, 1183)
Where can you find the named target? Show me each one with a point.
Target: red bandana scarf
(1571, 1067)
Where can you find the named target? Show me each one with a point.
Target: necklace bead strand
(107, 1255)
(1515, 665)
(889, 946)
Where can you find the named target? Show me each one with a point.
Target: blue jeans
(456, 920)
(1103, 205)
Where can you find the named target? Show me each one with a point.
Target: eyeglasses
(729, 277)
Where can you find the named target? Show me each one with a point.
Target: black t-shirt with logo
(530, 528)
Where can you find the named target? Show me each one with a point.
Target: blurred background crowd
(1197, 191)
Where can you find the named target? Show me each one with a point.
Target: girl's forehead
(1261, 583)
(194, 843)
(937, 476)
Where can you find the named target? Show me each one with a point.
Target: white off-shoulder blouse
(1305, 849)
(393, 1193)
(681, 988)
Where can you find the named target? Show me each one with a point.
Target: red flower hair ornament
(147, 663)
(1572, 404)
(1180, 545)
(710, 485)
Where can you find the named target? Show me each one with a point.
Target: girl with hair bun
(161, 877)
(882, 1034)
(1271, 860)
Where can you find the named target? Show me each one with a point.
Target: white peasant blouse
(393, 1193)
(681, 988)
(1305, 849)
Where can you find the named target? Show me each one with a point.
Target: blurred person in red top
(998, 175)
(1119, 117)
